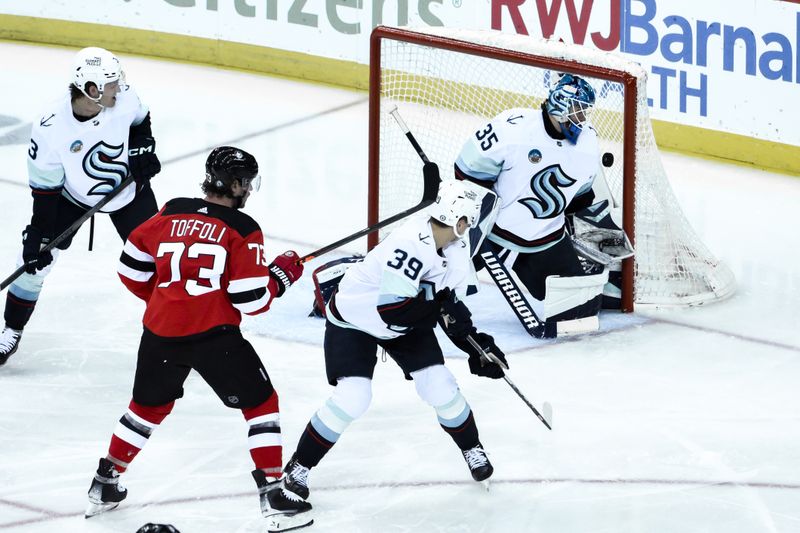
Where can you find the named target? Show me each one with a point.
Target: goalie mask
(570, 103)
(456, 199)
(97, 66)
(227, 164)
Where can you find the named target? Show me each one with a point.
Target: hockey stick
(515, 297)
(429, 192)
(547, 417)
(70, 230)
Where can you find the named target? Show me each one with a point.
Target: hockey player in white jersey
(542, 164)
(82, 147)
(393, 300)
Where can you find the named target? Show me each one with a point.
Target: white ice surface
(667, 421)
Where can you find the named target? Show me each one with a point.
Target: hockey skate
(285, 510)
(479, 465)
(105, 493)
(295, 479)
(9, 342)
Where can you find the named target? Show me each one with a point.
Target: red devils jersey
(198, 266)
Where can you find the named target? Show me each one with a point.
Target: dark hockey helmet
(226, 164)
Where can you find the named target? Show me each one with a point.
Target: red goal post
(448, 82)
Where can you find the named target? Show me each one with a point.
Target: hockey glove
(478, 364)
(285, 270)
(455, 315)
(32, 256)
(142, 158)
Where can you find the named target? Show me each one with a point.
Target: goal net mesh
(446, 95)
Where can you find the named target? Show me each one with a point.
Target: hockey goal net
(447, 83)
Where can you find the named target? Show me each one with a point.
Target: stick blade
(431, 187)
(547, 414)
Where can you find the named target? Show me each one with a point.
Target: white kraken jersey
(404, 264)
(535, 176)
(88, 159)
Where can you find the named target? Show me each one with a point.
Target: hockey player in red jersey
(199, 264)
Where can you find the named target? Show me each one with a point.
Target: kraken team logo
(100, 164)
(548, 200)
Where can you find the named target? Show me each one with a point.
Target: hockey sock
(321, 433)
(349, 401)
(18, 311)
(133, 430)
(456, 419)
(312, 447)
(264, 437)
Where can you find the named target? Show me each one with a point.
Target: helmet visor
(252, 184)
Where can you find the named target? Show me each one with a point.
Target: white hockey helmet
(456, 199)
(98, 66)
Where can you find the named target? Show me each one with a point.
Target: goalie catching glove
(598, 237)
(285, 270)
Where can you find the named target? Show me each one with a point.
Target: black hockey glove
(32, 242)
(480, 366)
(456, 319)
(142, 158)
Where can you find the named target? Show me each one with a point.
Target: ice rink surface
(667, 421)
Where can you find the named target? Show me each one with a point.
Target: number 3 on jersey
(195, 251)
(414, 265)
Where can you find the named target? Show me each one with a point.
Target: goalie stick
(70, 230)
(508, 287)
(547, 417)
(429, 192)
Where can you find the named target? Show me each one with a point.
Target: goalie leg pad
(612, 292)
(574, 298)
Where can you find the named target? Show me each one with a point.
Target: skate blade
(95, 509)
(486, 484)
(289, 522)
